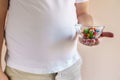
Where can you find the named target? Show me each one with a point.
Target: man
(41, 38)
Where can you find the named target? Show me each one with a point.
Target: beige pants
(71, 73)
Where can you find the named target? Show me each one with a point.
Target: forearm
(85, 19)
(1, 41)
(83, 15)
(3, 12)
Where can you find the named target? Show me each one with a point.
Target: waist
(39, 66)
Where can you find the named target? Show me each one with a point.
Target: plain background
(103, 61)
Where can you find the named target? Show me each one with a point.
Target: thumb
(107, 34)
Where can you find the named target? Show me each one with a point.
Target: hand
(93, 42)
(3, 76)
(86, 19)
(89, 42)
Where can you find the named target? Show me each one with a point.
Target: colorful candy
(90, 33)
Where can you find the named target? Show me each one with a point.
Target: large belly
(34, 28)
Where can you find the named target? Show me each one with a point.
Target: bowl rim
(96, 27)
(89, 26)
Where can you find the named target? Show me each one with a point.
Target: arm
(3, 12)
(84, 18)
(82, 11)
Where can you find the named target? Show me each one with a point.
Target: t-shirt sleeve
(80, 1)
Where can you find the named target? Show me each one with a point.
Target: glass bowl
(89, 32)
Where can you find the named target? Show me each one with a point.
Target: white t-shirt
(39, 35)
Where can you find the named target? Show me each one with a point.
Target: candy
(90, 33)
(86, 31)
(97, 30)
(94, 33)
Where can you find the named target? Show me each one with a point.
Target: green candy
(91, 34)
(90, 37)
(86, 31)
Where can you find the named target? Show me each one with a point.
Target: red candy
(90, 33)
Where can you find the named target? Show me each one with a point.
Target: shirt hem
(45, 70)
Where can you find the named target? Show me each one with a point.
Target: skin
(83, 18)
(3, 12)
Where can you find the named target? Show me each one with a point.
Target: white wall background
(103, 62)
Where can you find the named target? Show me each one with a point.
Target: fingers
(97, 42)
(107, 34)
(94, 42)
(89, 42)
